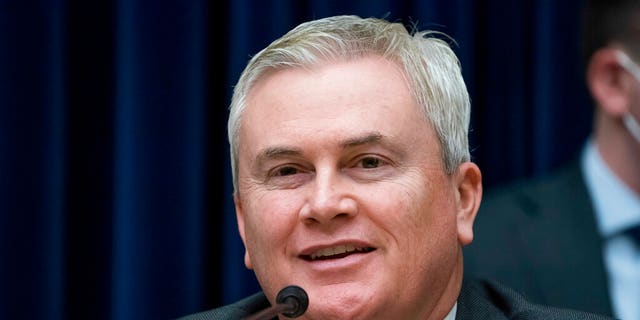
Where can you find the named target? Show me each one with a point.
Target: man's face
(342, 191)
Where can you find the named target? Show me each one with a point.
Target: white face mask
(629, 121)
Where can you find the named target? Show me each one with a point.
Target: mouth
(336, 252)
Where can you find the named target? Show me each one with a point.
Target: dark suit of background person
(554, 237)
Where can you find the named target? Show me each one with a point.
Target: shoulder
(508, 209)
(540, 237)
(237, 310)
(485, 299)
(529, 195)
(558, 198)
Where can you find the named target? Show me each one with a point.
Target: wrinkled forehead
(354, 94)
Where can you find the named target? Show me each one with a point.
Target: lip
(357, 252)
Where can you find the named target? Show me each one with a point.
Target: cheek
(419, 216)
(269, 219)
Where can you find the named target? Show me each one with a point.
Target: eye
(370, 162)
(371, 167)
(287, 176)
(285, 171)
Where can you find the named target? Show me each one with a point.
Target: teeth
(327, 252)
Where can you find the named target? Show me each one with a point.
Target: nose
(330, 199)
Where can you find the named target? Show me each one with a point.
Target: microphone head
(295, 298)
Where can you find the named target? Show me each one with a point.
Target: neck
(619, 150)
(449, 297)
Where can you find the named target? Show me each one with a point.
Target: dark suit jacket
(540, 238)
(478, 300)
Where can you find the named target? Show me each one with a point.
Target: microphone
(292, 301)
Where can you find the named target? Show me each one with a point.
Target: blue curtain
(115, 192)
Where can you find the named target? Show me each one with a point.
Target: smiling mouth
(336, 252)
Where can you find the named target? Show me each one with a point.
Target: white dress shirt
(452, 313)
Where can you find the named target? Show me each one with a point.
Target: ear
(241, 226)
(608, 82)
(469, 195)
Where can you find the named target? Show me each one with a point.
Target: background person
(567, 239)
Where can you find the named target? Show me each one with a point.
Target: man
(352, 177)
(566, 239)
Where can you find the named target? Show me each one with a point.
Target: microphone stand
(292, 301)
(268, 313)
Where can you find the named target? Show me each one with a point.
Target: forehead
(329, 102)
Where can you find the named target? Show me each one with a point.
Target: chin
(340, 302)
(338, 312)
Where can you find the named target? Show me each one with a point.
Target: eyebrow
(274, 152)
(368, 138)
(372, 138)
(282, 151)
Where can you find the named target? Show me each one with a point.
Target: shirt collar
(616, 206)
(452, 313)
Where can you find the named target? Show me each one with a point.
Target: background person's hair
(432, 70)
(607, 21)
